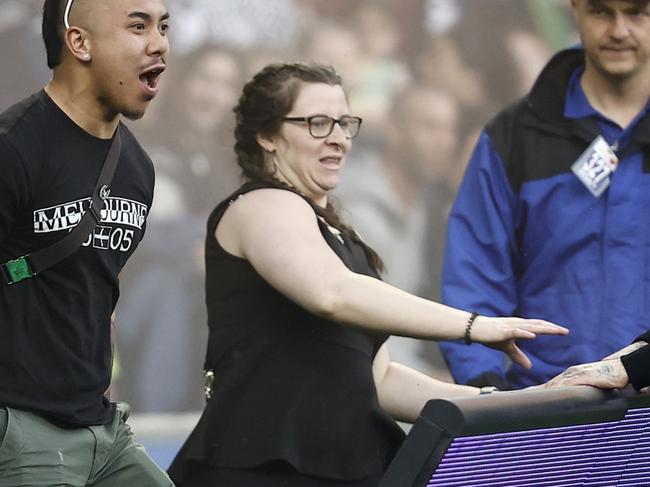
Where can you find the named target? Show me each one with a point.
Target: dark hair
(52, 29)
(265, 101)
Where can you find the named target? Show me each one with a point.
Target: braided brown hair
(266, 99)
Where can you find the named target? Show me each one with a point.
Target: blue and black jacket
(527, 238)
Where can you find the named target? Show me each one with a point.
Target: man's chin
(133, 115)
(618, 71)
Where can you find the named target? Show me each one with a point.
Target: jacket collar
(547, 96)
(546, 100)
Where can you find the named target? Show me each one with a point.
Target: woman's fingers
(519, 333)
(518, 357)
(542, 327)
(501, 333)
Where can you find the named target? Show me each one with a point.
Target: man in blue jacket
(553, 217)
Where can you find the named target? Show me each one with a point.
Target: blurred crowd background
(425, 76)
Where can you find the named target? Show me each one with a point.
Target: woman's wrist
(468, 328)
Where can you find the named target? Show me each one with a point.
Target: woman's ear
(265, 143)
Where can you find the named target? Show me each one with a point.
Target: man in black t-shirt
(56, 425)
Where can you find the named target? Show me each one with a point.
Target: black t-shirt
(55, 345)
(289, 386)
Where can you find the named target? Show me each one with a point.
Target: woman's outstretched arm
(277, 232)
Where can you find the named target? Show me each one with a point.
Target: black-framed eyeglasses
(320, 126)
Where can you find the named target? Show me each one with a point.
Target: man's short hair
(637, 3)
(53, 31)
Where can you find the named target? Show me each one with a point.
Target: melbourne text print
(119, 220)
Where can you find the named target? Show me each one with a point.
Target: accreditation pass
(595, 166)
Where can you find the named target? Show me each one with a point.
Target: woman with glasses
(300, 387)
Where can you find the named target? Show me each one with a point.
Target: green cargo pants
(34, 452)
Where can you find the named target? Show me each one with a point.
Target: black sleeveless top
(289, 386)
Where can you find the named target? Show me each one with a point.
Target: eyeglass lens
(322, 126)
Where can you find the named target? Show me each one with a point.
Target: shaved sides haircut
(53, 29)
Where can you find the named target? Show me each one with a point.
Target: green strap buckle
(17, 270)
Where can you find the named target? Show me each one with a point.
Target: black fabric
(288, 385)
(644, 338)
(45, 258)
(267, 476)
(637, 364)
(535, 140)
(55, 350)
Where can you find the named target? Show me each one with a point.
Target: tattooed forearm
(573, 373)
(605, 371)
(606, 374)
(596, 370)
(627, 350)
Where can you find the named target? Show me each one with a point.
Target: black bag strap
(30, 265)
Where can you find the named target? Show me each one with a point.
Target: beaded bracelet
(468, 328)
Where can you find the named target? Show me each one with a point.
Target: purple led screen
(611, 454)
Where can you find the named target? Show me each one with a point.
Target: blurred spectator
(458, 77)
(553, 20)
(336, 44)
(381, 71)
(441, 16)
(488, 39)
(244, 24)
(163, 314)
(192, 142)
(20, 42)
(398, 199)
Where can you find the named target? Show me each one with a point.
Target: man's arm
(630, 365)
(478, 270)
(626, 351)
(606, 374)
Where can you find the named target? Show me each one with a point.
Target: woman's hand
(501, 334)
